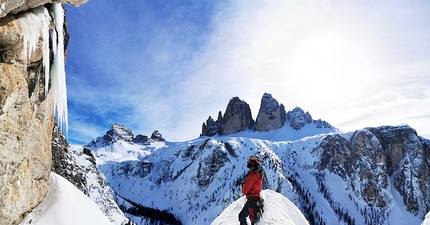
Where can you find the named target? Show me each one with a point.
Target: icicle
(30, 25)
(58, 74)
(32, 22)
(43, 15)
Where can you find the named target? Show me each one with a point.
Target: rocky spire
(271, 115)
(237, 117)
(211, 127)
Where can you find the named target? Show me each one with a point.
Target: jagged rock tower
(237, 117)
(271, 115)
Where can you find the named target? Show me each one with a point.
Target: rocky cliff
(237, 117)
(376, 161)
(271, 115)
(26, 104)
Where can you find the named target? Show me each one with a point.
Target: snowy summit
(277, 210)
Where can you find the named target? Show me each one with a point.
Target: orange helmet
(255, 158)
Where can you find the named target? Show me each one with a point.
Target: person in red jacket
(251, 188)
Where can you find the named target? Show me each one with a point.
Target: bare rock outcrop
(25, 143)
(63, 163)
(237, 117)
(16, 6)
(373, 157)
(26, 107)
(271, 115)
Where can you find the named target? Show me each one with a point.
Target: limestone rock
(271, 115)
(62, 162)
(237, 117)
(211, 127)
(25, 143)
(26, 113)
(297, 118)
(16, 6)
(374, 156)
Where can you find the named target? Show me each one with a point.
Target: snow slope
(277, 210)
(426, 220)
(66, 205)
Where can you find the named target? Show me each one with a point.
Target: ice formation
(58, 77)
(32, 22)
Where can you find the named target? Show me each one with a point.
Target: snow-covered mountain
(369, 176)
(376, 175)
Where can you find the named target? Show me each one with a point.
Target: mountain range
(374, 175)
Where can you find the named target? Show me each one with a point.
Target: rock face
(271, 115)
(62, 162)
(372, 156)
(26, 109)
(16, 6)
(211, 127)
(237, 117)
(119, 132)
(297, 118)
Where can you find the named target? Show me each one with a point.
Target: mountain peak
(119, 132)
(268, 104)
(271, 115)
(237, 117)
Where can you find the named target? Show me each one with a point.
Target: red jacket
(253, 184)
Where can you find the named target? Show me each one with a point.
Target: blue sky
(168, 65)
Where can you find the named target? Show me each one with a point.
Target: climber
(252, 188)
